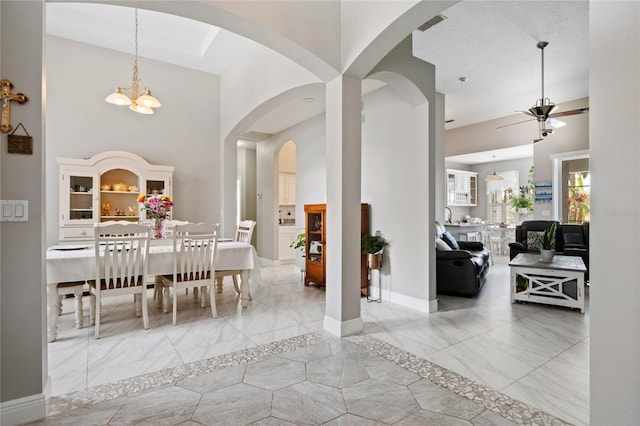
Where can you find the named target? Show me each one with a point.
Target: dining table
(74, 264)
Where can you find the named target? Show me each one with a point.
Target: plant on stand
(156, 208)
(547, 244)
(372, 246)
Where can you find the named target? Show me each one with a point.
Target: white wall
(391, 177)
(182, 133)
(23, 351)
(614, 67)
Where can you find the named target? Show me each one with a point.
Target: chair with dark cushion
(529, 237)
(570, 240)
(576, 242)
(461, 266)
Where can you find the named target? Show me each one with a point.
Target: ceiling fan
(543, 110)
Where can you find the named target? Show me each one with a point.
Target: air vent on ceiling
(255, 136)
(432, 22)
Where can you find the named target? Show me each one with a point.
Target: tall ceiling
(491, 45)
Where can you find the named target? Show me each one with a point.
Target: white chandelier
(494, 176)
(139, 101)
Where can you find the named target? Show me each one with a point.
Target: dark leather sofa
(571, 239)
(461, 271)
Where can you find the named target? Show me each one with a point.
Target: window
(499, 195)
(577, 201)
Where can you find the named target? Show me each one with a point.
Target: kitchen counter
(462, 230)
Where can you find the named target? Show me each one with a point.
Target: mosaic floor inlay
(342, 380)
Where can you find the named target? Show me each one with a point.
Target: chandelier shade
(493, 176)
(140, 101)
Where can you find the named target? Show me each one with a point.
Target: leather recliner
(461, 271)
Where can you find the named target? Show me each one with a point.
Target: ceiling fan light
(148, 100)
(555, 123)
(118, 98)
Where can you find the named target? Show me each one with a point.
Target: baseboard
(23, 410)
(267, 262)
(344, 328)
(426, 306)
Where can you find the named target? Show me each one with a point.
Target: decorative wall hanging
(19, 144)
(6, 97)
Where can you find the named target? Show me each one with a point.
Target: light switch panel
(15, 211)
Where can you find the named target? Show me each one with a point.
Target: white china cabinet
(106, 187)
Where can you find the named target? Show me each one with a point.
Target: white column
(614, 131)
(344, 104)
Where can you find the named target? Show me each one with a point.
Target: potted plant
(521, 283)
(523, 202)
(300, 243)
(372, 246)
(548, 239)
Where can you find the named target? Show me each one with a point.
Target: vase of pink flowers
(156, 208)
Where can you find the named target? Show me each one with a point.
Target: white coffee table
(559, 282)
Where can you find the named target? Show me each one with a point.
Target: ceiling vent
(432, 22)
(255, 136)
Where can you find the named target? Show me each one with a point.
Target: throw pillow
(441, 245)
(451, 242)
(534, 241)
(573, 238)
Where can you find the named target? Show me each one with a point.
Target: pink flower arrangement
(156, 206)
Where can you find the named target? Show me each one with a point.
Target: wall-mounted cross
(6, 96)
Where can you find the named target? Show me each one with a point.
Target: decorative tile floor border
(492, 400)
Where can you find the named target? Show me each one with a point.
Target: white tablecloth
(77, 262)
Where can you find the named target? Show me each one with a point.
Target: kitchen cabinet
(462, 188)
(315, 256)
(287, 235)
(105, 187)
(287, 188)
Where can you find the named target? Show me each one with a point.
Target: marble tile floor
(532, 353)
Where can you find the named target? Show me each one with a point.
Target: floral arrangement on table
(156, 207)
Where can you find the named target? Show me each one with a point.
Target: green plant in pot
(521, 283)
(372, 246)
(523, 202)
(299, 242)
(547, 244)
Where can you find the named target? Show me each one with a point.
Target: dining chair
(194, 264)
(244, 233)
(121, 252)
(170, 225)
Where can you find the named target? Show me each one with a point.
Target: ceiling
(492, 44)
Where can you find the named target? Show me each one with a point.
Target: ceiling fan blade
(517, 122)
(538, 140)
(570, 112)
(529, 114)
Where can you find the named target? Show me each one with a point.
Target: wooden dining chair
(121, 252)
(244, 233)
(194, 264)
